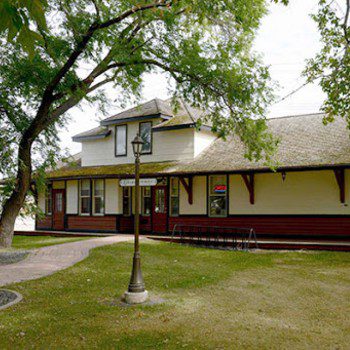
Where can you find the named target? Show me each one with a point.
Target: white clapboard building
(189, 176)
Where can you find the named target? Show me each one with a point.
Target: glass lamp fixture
(137, 144)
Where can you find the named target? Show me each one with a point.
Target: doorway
(58, 197)
(159, 209)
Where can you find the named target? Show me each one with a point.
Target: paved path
(48, 260)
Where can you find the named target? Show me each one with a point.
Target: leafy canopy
(331, 66)
(16, 16)
(57, 53)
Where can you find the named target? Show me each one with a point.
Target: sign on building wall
(220, 189)
(143, 182)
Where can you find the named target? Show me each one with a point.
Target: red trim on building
(91, 223)
(307, 226)
(44, 223)
(276, 225)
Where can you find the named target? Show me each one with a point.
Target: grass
(31, 242)
(213, 300)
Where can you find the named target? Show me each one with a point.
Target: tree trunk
(15, 202)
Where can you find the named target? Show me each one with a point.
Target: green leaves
(17, 16)
(331, 66)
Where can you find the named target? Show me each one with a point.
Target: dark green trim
(132, 119)
(180, 126)
(174, 127)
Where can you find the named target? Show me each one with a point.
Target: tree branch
(87, 36)
(101, 83)
(96, 9)
(135, 9)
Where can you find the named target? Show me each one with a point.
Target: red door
(58, 197)
(159, 209)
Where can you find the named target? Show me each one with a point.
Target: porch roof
(76, 170)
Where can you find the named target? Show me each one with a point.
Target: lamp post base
(136, 298)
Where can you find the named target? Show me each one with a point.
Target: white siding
(173, 145)
(166, 145)
(113, 204)
(72, 197)
(199, 205)
(307, 192)
(202, 140)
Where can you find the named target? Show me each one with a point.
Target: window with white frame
(174, 196)
(48, 201)
(126, 201)
(121, 140)
(146, 201)
(98, 197)
(146, 135)
(217, 195)
(84, 197)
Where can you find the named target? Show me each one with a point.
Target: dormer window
(120, 140)
(146, 135)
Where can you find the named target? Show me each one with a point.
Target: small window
(146, 135)
(98, 200)
(120, 140)
(59, 202)
(174, 196)
(217, 196)
(160, 201)
(84, 202)
(146, 201)
(126, 201)
(48, 201)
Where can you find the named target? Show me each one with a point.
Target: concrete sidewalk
(48, 260)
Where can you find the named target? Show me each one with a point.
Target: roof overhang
(133, 119)
(101, 135)
(179, 172)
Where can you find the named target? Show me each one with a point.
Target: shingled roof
(305, 142)
(184, 114)
(181, 117)
(153, 108)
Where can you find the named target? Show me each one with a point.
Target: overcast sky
(286, 38)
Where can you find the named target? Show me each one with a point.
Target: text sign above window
(143, 182)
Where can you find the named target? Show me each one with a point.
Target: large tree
(331, 66)
(203, 45)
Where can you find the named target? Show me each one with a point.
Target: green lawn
(214, 300)
(30, 242)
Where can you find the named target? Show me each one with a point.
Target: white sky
(286, 38)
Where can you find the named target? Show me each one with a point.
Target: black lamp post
(136, 291)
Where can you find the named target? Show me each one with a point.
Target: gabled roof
(155, 108)
(182, 117)
(305, 143)
(184, 114)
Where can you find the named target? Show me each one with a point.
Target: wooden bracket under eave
(188, 187)
(249, 183)
(340, 177)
